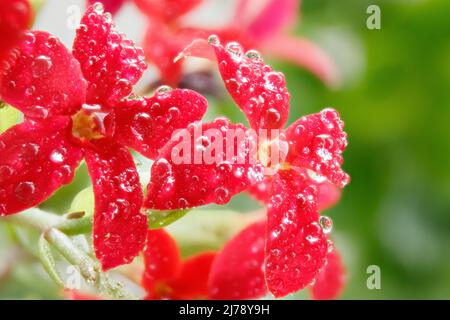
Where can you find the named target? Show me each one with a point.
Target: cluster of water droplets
(110, 59)
(317, 143)
(258, 89)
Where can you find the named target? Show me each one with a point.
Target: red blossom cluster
(79, 105)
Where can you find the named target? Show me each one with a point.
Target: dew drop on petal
(253, 55)
(98, 7)
(163, 89)
(41, 66)
(25, 190)
(213, 39)
(326, 223)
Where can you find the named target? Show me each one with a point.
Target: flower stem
(52, 228)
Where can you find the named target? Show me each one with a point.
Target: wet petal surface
(111, 63)
(147, 124)
(42, 78)
(237, 272)
(120, 228)
(36, 159)
(296, 245)
(258, 90)
(316, 142)
(205, 163)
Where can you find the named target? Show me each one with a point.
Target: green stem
(73, 227)
(72, 254)
(35, 219)
(48, 224)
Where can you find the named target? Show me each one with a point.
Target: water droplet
(5, 172)
(273, 116)
(253, 55)
(29, 150)
(174, 113)
(57, 156)
(274, 80)
(330, 246)
(222, 195)
(326, 223)
(41, 66)
(163, 89)
(235, 49)
(141, 124)
(25, 190)
(98, 7)
(183, 203)
(37, 112)
(213, 39)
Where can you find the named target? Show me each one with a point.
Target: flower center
(272, 155)
(88, 124)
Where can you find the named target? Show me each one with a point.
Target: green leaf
(161, 219)
(48, 261)
(8, 117)
(84, 202)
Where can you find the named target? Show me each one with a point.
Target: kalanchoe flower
(238, 270)
(15, 17)
(77, 106)
(310, 156)
(167, 276)
(261, 24)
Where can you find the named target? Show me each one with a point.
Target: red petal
(316, 142)
(111, 6)
(36, 159)
(162, 259)
(237, 272)
(120, 228)
(147, 124)
(261, 191)
(185, 176)
(269, 19)
(192, 281)
(15, 16)
(296, 246)
(305, 54)
(259, 91)
(111, 63)
(166, 10)
(327, 196)
(331, 280)
(162, 44)
(42, 78)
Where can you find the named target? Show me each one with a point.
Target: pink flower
(78, 106)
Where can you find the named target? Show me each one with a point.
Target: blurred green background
(395, 101)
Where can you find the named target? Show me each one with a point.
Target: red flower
(238, 270)
(310, 156)
(253, 25)
(167, 276)
(78, 106)
(15, 16)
